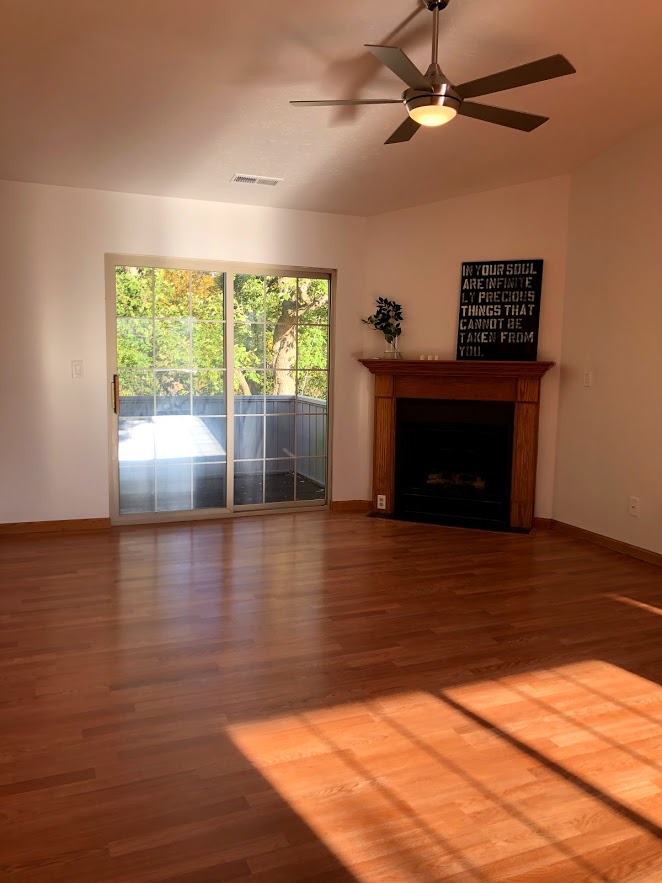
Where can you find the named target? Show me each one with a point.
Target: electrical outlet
(381, 501)
(588, 378)
(633, 508)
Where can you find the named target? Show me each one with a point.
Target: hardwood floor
(328, 697)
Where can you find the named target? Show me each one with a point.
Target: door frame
(230, 269)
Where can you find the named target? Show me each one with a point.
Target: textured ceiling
(171, 97)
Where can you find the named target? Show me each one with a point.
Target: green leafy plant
(386, 318)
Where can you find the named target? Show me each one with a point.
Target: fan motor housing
(442, 95)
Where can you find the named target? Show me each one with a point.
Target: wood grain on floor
(328, 697)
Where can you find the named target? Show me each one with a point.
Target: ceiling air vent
(255, 179)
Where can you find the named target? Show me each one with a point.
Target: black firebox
(454, 462)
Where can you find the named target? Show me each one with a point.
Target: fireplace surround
(452, 391)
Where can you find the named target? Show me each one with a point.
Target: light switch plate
(77, 369)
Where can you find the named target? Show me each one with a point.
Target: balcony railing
(293, 426)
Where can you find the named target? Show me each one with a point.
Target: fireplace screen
(453, 462)
(457, 480)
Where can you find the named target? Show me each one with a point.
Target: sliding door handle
(116, 393)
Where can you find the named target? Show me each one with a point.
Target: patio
(174, 461)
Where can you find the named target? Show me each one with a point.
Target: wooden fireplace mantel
(517, 382)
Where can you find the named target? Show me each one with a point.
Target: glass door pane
(172, 390)
(281, 371)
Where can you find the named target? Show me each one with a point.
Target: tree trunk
(285, 345)
(243, 383)
(285, 351)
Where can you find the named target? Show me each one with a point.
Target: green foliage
(386, 318)
(173, 383)
(313, 384)
(293, 338)
(134, 287)
(169, 319)
(312, 347)
(207, 296)
(208, 383)
(172, 343)
(171, 294)
(173, 321)
(136, 383)
(135, 343)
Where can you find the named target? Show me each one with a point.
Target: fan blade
(534, 72)
(514, 119)
(347, 103)
(404, 132)
(402, 67)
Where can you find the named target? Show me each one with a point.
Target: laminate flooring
(328, 697)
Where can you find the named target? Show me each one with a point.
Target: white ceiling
(171, 97)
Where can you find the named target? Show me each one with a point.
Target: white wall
(415, 256)
(54, 438)
(610, 435)
(53, 447)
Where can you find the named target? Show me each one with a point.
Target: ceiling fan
(432, 100)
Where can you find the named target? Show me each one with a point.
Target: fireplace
(436, 414)
(453, 462)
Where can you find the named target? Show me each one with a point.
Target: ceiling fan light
(433, 115)
(432, 109)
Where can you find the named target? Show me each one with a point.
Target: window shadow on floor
(140, 652)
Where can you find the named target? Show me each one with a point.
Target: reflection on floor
(330, 698)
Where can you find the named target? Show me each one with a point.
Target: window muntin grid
(183, 381)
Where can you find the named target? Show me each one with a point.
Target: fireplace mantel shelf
(454, 368)
(517, 382)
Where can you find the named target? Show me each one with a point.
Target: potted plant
(387, 318)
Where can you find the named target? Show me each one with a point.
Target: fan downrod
(435, 7)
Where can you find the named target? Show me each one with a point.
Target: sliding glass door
(281, 352)
(170, 391)
(220, 387)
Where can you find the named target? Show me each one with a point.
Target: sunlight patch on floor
(640, 604)
(480, 782)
